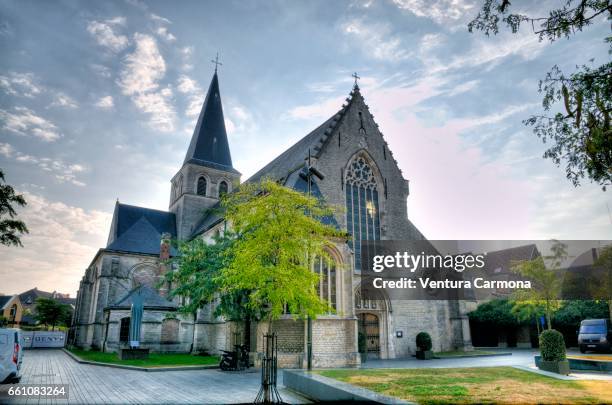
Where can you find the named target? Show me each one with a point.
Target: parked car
(11, 355)
(595, 334)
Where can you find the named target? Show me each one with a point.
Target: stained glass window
(362, 208)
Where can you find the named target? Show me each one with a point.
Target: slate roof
(151, 299)
(501, 261)
(209, 146)
(4, 299)
(32, 295)
(139, 230)
(287, 166)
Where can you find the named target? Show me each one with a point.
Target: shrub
(423, 341)
(552, 345)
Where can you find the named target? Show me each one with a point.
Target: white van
(11, 355)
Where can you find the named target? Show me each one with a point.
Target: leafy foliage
(605, 261)
(495, 312)
(552, 345)
(571, 313)
(278, 236)
(580, 129)
(545, 280)
(423, 341)
(52, 312)
(10, 227)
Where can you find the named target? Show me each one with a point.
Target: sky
(98, 101)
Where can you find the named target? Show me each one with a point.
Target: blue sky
(98, 101)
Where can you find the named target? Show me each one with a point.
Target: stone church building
(359, 173)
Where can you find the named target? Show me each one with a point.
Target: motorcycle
(235, 360)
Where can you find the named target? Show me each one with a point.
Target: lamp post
(310, 170)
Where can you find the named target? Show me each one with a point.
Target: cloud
(322, 109)
(440, 11)
(104, 34)
(139, 78)
(62, 241)
(376, 39)
(192, 89)
(20, 84)
(165, 34)
(62, 171)
(160, 19)
(105, 103)
(64, 101)
(23, 121)
(101, 70)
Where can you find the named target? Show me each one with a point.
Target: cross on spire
(216, 62)
(356, 76)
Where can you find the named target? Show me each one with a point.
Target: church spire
(209, 145)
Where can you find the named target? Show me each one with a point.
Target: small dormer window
(201, 188)
(222, 188)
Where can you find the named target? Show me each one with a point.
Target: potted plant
(423, 342)
(552, 348)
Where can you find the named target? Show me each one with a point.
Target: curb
(473, 356)
(546, 373)
(147, 369)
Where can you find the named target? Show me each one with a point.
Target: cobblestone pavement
(106, 385)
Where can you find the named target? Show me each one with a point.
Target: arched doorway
(369, 335)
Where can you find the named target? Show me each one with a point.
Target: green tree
(52, 312)
(10, 227)
(605, 261)
(279, 233)
(543, 271)
(528, 310)
(496, 312)
(579, 132)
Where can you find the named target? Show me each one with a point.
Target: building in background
(11, 310)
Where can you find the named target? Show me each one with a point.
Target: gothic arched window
(124, 329)
(201, 189)
(222, 188)
(326, 269)
(362, 209)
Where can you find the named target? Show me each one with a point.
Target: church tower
(207, 172)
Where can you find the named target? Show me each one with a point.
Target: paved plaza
(107, 385)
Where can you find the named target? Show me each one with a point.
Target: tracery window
(326, 269)
(222, 188)
(201, 188)
(362, 209)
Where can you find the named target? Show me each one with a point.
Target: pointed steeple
(209, 145)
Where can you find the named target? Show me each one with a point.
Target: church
(358, 172)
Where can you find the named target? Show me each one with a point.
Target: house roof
(138, 229)
(209, 145)
(501, 261)
(33, 294)
(5, 299)
(150, 299)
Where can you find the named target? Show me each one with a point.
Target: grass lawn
(154, 360)
(458, 353)
(475, 385)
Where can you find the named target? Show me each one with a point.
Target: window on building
(201, 186)
(326, 269)
(13, 311)
(222, 188)
(362, 209)
(124, 330)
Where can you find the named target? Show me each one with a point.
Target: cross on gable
(356, 76)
